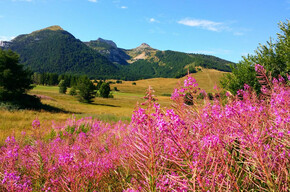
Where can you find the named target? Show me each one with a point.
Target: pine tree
(86, 90)
(62, 87)
(105, 90)
(14, 79)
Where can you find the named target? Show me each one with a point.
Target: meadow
(237, 143)
(109, 110)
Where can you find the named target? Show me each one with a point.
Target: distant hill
(55, 50)
(147, 62)
(110, 50)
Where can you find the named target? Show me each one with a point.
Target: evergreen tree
(73, 91)
(62, 87)
(105, 90)
(14, 79)
(86, 89)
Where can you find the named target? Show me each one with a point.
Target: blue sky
(224, 28)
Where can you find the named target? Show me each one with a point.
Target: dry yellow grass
(118, 108)
(206, 79)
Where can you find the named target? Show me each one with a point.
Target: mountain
(147, 62)
(55, 50)
(110, 50)
(151, 63)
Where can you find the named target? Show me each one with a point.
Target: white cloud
(204, 24)
(6, 38)
(152, 20)
(124, 7)
(94, 1)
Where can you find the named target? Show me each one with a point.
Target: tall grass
(240, 145)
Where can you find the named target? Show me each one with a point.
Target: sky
(228, 29)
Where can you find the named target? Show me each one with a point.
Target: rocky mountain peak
(112, 43)
(144, 46)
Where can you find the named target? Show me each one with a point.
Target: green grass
(110, 110)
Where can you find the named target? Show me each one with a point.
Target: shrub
(274, 57)
(116, 89)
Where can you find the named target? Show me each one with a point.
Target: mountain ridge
(55, 50)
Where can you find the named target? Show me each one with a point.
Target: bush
(274, 57)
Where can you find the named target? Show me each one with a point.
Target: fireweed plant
(237, 143)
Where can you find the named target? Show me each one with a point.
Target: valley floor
(114, 109)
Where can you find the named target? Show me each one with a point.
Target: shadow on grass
(31, 103)
(107, 105)
(53, 109)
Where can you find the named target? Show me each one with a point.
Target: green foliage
(86, 90)
(99, 84)
(171, 64)
(275, 57)
(52, 52)
(104, 90)
(134, 83)
(119, 82)
(14, 80)
(57, 51)
(62, 87)
(73, 91)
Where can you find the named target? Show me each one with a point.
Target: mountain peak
(112, 43)
(52, 28)
(144, 46)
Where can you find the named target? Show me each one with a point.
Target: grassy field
(114, 109)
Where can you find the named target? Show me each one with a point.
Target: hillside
(152, 63)
(55, 50)
(110, 50)
(146, 62)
